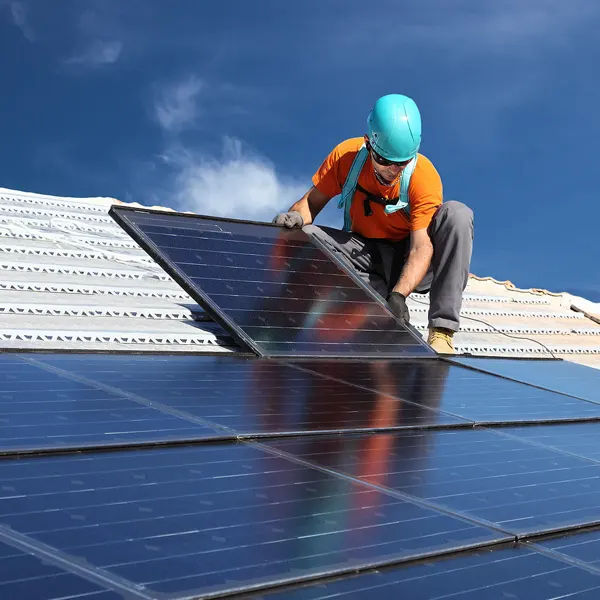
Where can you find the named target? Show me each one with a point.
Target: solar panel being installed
(518, 487)
(272, 288)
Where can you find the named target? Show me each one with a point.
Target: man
(398, 236)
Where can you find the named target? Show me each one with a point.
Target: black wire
(516, 337)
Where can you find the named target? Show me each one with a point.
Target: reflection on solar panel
(216, 518)
(185, 509)
(558, 375)
(254, 397)
(519, 488)
(272, 288)
(516, 573)
(478, 397)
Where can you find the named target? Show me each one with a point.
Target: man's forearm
(414, 270)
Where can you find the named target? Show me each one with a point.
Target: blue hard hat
(394, 127)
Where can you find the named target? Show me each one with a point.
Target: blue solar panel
(521, 488)
(466, 393)
(41, 410)
(29, 577)
(503, 574)
(557, 375)
(583, 547)
(217, 518)
(253, 397)
(272, 288)
(581, 439)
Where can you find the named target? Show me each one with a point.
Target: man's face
(386, 170)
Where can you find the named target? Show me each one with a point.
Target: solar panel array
(133, 476)
(311, 471)
(276, 290)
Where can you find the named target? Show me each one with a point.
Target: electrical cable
(516, 337)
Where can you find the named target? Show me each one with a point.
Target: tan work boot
(440, 340)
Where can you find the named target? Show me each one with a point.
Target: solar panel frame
(513, 571)
(119, 214)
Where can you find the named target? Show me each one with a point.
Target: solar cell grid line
(582, 547)
(215, 519)
(42, 411)
(560, 376)
(273, 289)
(248, 396)
(520, 488)
(483, 398)
(25, 576)
(516, 572)
(579, 439)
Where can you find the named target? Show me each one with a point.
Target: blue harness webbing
(349, 188)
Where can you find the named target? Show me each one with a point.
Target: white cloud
(19, 15)
(98, 53)
(176, 104)
(241, 184)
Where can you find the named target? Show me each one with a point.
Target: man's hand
(397, 304)
(291, 220)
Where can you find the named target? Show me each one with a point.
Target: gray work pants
(380, 262)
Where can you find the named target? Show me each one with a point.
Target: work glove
(291, 220)
(397, 304)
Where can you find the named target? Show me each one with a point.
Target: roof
(73, 280)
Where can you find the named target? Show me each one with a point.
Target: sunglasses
(384, 162)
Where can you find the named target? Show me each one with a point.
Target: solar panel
(583, 547)
(23, 575)
(576, 438)
(466, 393)
(277, 292)
(42, 410)
(217, 518)
(557, 375)
(503, 574)
(521, 488)
(249, 396)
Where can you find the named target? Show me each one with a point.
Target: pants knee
(456, 215)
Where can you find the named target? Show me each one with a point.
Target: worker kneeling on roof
(398, 236)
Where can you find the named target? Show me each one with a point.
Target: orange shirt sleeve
(332, 174)
(425, 192)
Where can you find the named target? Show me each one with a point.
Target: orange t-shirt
(424, 193)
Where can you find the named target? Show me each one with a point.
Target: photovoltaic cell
(581, 439)
(217, 518)
(520, 488)
(272, 288)
(42, 410)
(24, 576)
(469, 394)
(557, 375)
(252, 396)
(583, 547)
(513, 573)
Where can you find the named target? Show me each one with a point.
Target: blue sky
(228, 109)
